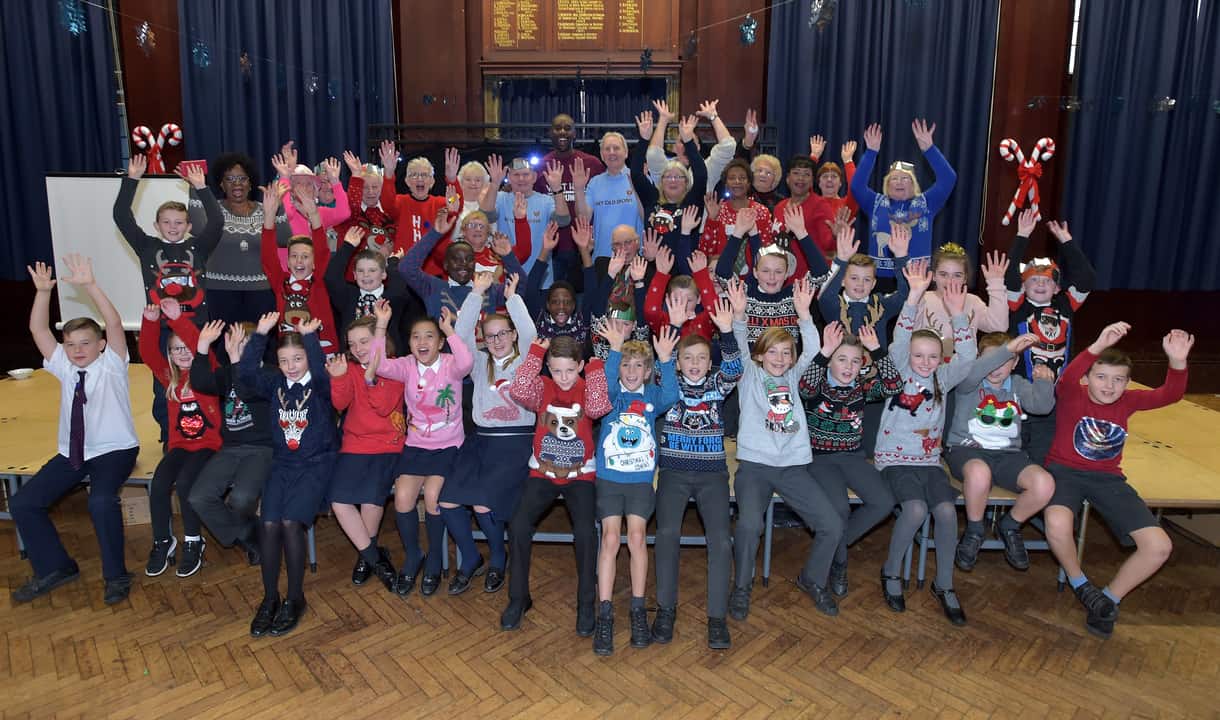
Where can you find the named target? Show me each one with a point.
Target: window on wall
(587, 100)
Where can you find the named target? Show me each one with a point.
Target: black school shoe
(429, 584)
(897, 603)
(718, 637)
(494, 580)
(384, 569)
(461, 582)
(603, 635)
(510, 619)
(641, 634)
(288, 616)
(950, 603)
(823, 600)
(117, 590)
(1014, 546)
(586, 619)
(739, 603)
(405, 582)
(663, 625)
(1102, 612)
(37, 587)
(261, 625)
(838, 579)
(361, 572)
(967, 553)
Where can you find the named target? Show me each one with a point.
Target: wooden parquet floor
(180, 648)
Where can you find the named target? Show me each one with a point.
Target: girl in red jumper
(368, 464)
(194, 434)
(675, 300)
(300, 293)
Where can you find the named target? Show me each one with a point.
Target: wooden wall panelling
(152, 82)
(726, 69)
(431, 47)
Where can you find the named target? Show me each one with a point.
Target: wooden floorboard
(180, 648)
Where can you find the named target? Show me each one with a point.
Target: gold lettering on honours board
(581, 19)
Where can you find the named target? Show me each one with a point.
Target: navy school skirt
(296, 490)
(361, 479)
(418, 461)
(491, 469)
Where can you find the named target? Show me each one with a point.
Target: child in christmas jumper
(909, 441)
(849, 296)
(194, 425)
(984, 444)
(494, 461)
(681, 301)
(1043, 297)
(562, 462)
(304, 440)
(773, 452)
(376, 278)
(413, 214)
(173, 263)
(1086, 462)
(901, 201)
(626, 464)
(835, 391)
(432, 384)
(692, 464)
(556, 309)
(300, 293)
(369, 460)
(951, 265)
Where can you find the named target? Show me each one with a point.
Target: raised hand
(794, 219)
(675, 306)
(496, 171)
(482, 282)
(193, 174)
(842, 219)
(336, 365)
(171, 308)
(235, 341)
(520, 205)
(550, 239)
(510, 284)
(900, 239)
(544, 343)
(846, 243)
(665, 342)
(722, 315)
(453, 161)
(136, 166)
(1042, 371)
(1060, 230)
(209, 334)
(832, 337)
(354, 166)
(271, 200)
(282, 168)
(638, 268)
(736, 291)
(690, 219)
(923, 133)
(1021, 343)
(582, 232)
(389, 157)
(501, 244)
(354, 235)
(665, 260)
(330, 166)
(954, 296)
(383, 311)
(80, 270)
(817, 146)
(443, 221)
(686, 127)
(996, 266)
(289, 152)
(868, 338)
(1027, 221)
(663, 113)
(872, 137)
(1177, 345)
(554, 176)
(446, 321)
(643, 123)
(42, 275)
(1110, 335)
(803, 292)
(613, 331)
(652, 244)
(847, 151)
(152, 313)
(918, 278)
(697, 262)
(711, 204)
(580, 174)
(310, 326)
(707, 109)
(267, 322)
(746, 221)
(751, 127)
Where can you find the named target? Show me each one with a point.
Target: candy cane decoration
(1028, 171)
(143, 138)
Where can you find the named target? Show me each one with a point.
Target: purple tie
(76, 432)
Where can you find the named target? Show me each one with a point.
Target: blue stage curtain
(57, 98)
(317, 72)
(890, 62)
(1136, 189)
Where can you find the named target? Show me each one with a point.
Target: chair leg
(924, 541)
(312, 548)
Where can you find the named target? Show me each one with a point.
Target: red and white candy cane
(144, 139)
(1028, 171)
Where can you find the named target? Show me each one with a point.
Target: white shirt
(303, 381)
(108, 422)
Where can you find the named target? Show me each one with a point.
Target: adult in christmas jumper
(692, 464)
(1086, 462)
(226, 493)
(718, 157)
(561, 462)
(720, 224)
(773, 452)
(538, 209)
(304, 437)
(476, 232)
(370, 455)
(951, 265)
(376, 278)
(413, 214)
(555, 309)
(901, 200)
(607, 199)
(680, 301)
(300, 292)
(492, 467)
(984, 445)
(96, 437)
(298, 182)
(833, 179)
(909, 441)
(364, 199)
(433, 403)
(238, 290)
(818, 211)
(448, 294)
(618, 292)
(565, 258)
(834, 392)
(1043, 297)
(681, 186)
(626, 464)
(194, 435)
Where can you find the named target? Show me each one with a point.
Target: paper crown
(1044, 267)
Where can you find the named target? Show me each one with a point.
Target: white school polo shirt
(108, 423)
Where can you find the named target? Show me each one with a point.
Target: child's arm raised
(341, 393)
(203, 376)
(209, 236)
(995, 319)
(1177, 345)
(123, 217)
(803, 291)
(815, 374)
(268, 248)
(518, 312)
(412, 265)
(258, 383)
(1078, 276)
(313, 353)
(80, 273)
(40, 312)
(730, 353)
(463, 358)
(149, 343)
(664, 344)
(527, 385)
(336, 283)
(964, 349)
(1015, 287)
(597, 395)
(887, 381)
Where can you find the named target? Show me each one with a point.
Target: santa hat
(638, 407)
(1044, 267)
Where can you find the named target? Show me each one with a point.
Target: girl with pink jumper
(433, 401)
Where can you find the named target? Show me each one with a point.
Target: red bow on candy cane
(1028, 172)
(170, 134)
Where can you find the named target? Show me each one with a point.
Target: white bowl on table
(21, 373)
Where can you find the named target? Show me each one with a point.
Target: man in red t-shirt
(566, 258)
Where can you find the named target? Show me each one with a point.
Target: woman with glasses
(237, 288)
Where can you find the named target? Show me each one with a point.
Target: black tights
(288, 537)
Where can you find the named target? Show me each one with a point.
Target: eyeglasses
(497, 337)
(674, 177)
(236, 179)
(476, 226)
(418, 175)
(180, 350)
